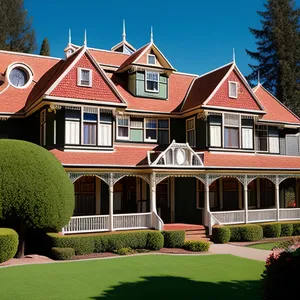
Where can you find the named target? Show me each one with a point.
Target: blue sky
(195, 36)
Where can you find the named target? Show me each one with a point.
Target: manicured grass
(139, 277)
(264, 246)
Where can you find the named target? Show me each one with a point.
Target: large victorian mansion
(146, 145)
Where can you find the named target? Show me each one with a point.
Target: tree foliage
(17, 33)
(45, 48)
(278, 51)
(35, 190)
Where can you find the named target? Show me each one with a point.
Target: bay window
(152, 82)
(215, 129)
(247, 133)
(123, 127)
(231, 130)
(191, 132)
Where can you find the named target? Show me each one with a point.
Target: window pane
(137, 123)
(231, 137)
(89, 117)
(105, 117)
(152, 86)
(151, 134)
(89, 134)
(136, 135)
(104, 137)
(247, 138)
(163, 137)
(72, 114)
(152, 76)
(123, 131)
(233, 89)
(231, 120)
(215, 135)
(216, 120)
(191, 138)
(247, 122)
(190, 124)
(163, 124)
(123, 121)
(72, 132)
(151, 123)
(151, 59)
(274, 144)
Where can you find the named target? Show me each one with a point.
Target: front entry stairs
(192, 232)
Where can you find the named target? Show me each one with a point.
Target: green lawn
(140, 277)
(264, 246)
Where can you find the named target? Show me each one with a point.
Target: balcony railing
(132, 221)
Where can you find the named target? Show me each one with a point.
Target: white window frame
(232, 126)
(79, 77)
(242, 133)
(267, 137)
(117, 127)
(236, 89)
(158, 78)
(79, 123)
(145, 129)
(101, 122)
(93, 122)
(215, 125)
(151, 55)
(193, 129)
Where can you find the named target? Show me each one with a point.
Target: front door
(162, 201)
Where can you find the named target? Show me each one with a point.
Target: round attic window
(18, 77)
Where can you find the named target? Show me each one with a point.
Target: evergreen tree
(17, 33)
(45, 48)
(278, 51)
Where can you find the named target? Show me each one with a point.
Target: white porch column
(172, 198)
(277, 204)
(207, 208)
(246, 199)
(111, 205)
(152, 199)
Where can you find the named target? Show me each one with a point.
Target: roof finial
(233, 55)
(151, 35)
(124, 31)
(70, 37)
(258, 77)
(85, 39)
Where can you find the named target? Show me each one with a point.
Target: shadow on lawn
(179, 288)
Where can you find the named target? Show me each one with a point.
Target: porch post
(277, 204)
(206, 206)
(111, 204)
(152, 199)
(246, 198)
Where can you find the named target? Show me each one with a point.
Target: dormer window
(233, 89)
(84, 77)
(152, 82)
(151, 59)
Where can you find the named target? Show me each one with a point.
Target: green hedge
(62, 253)
(286, 229)
(174, 238)
(9, 241)
(271, 230)
(196, 246)
(220, 234)
(296, 228)
(96, 243)
(245, 233)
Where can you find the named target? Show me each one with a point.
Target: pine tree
(45, 48)
(278, 52)
(17, 33)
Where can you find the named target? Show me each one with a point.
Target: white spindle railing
(87, 224)
(132, 221)
(289, 214)
(229, 217)
(262, 215)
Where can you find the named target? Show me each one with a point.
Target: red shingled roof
(109, 57)
(276, 111)
(178, 86)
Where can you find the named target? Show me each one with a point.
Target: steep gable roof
(275, 110)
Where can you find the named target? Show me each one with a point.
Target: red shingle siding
(100, 89)
(244, 101)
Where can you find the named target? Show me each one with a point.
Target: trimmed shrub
(174, 238)
(220, 234)
(62, 253)
(296, 228)
(286, 244)
(155, 240)
(8, 244)
(196, 246)
(245, 233)
(286, 229)
(271, 230)
(124, 251)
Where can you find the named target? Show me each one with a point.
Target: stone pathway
(245, 252)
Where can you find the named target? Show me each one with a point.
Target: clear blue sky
(195, 36)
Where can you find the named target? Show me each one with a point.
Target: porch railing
(289, 213)
(229, 217)
(262, 215)
(132, 221)
(83, 224)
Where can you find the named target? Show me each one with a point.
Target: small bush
(196, 246)
(174, 238)
(155, 240)
(245, 233)
(124, 251)
(62, 253)
(220, 234)
(296, 228)
(8, 244)
(286, 229)
(271, 230)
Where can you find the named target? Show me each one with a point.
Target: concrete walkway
(245, 252)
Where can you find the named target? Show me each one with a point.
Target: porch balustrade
(289, 214)
(229, 217)
(262, 215)
(132, 221)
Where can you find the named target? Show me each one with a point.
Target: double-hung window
(136, 129)
(151, 59)
(123, 127)
(163, 132)
(215, 131)
(191, 132)
(261, 135)
(72, 127)
(90, 116)
(247, 133)
(152, 82)
(43, 127)
(84, 77)
(105, 129)
(273, 140)
(231, 130)
(150, 130)
(233, 89)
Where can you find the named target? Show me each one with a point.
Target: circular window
(18, 77)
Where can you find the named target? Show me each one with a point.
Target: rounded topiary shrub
(286, 229)
(271, 230)
(235, 233)
(220, 234)
(296, 228)
(62, 253)
(155, 240)
(8, 244)
(246, 233)
(174, 238)
(196, 246)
